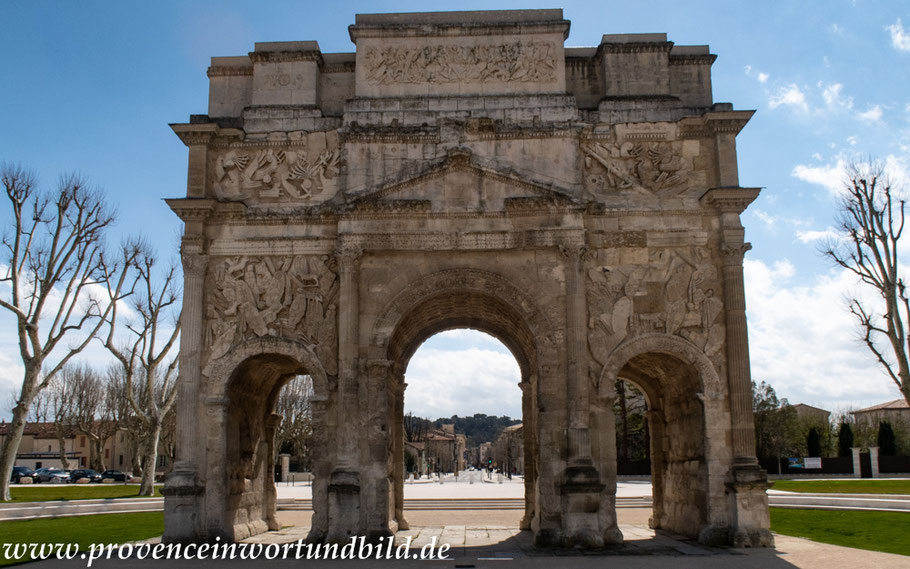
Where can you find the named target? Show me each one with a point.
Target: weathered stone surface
(463, 169)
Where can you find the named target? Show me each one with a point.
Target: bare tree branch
(871, 219)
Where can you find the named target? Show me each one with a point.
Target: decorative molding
(499, 63)
(285, 56)
(229, 71)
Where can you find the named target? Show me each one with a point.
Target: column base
(182, 494)
(749, 509)
(344, 506)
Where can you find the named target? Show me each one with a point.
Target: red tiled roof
(896, 404)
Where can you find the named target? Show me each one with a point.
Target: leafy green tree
(776, 423)
(844, 439)
(814, 442)
(887, 443)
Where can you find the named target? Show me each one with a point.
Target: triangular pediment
(459, 183)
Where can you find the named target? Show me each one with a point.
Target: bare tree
(94, 409)
(52, 258)
(295, 432)
(149, 371)
(54, 405)
(872, 220)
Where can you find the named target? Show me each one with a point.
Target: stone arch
(241, 389)
(466, 298)
(687, 419)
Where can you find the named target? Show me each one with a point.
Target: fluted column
(348, 348)
(191, 343)
(739, 371)
(576, 358)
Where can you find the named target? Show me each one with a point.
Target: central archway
(477, 300)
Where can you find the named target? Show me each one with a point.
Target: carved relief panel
(676, 292)
(530, 61)
(290, 297)
(303, 171)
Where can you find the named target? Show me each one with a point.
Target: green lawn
(861, 486)
(875, 531)
(43, 493)
(80, 530)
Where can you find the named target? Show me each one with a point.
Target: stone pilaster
(748, 482)
(344, 486)
(397, 448)
(739, 372)
(183, 487)
(579, 443)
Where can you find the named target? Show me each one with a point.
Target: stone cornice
(285, 56)
(713, 123)
(191, 209)
(636, 47)
(730, 199)
(195, 134)
(693, 59)
(412, 30)
(229, 71)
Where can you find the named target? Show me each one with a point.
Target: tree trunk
(64, 461)
(16, 429)
(150, 460)
(10, 448)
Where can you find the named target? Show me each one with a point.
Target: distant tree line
(780, 432)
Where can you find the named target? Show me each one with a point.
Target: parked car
(51, 475)
(85, 473)
(20, 472)
(116, 475)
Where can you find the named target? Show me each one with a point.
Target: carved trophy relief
(645, 168)
(675, 293)
(290, 297)
(501, 63)
(296, 174)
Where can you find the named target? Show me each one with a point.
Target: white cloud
(832, 96)
(442, 383)
(803, 340)
(872, 114)
(762, 77)
(790, 95)
(764, 216)
(900, 39)
(831, 177)
(852, 140)
(812, 235)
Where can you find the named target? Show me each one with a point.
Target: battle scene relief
(288, 297)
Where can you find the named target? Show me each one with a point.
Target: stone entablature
(465, 169)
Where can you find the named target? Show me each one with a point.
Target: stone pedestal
(749, 505)
(873, 457)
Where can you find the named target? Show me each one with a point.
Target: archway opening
(460, 310)
(260, 389)
(464, 448)
(670, 389)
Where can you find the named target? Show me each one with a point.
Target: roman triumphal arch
(465, 169)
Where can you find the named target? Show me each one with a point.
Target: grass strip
(873, 531)
(50, 492)
(80, 530)
(863, 486)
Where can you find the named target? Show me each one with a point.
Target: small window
(121, 460)
(37, 465)
(48, 448)
(107, 453)
(82, 441)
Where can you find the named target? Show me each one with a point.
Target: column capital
(733, 253)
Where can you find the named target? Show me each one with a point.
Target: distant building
(893, 412)
(508, 450)
(441, 450)
(40, 447)
(808, 411)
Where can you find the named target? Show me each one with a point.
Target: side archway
(688, 422)
(242, 388)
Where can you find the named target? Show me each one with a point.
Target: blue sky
(91, 87)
